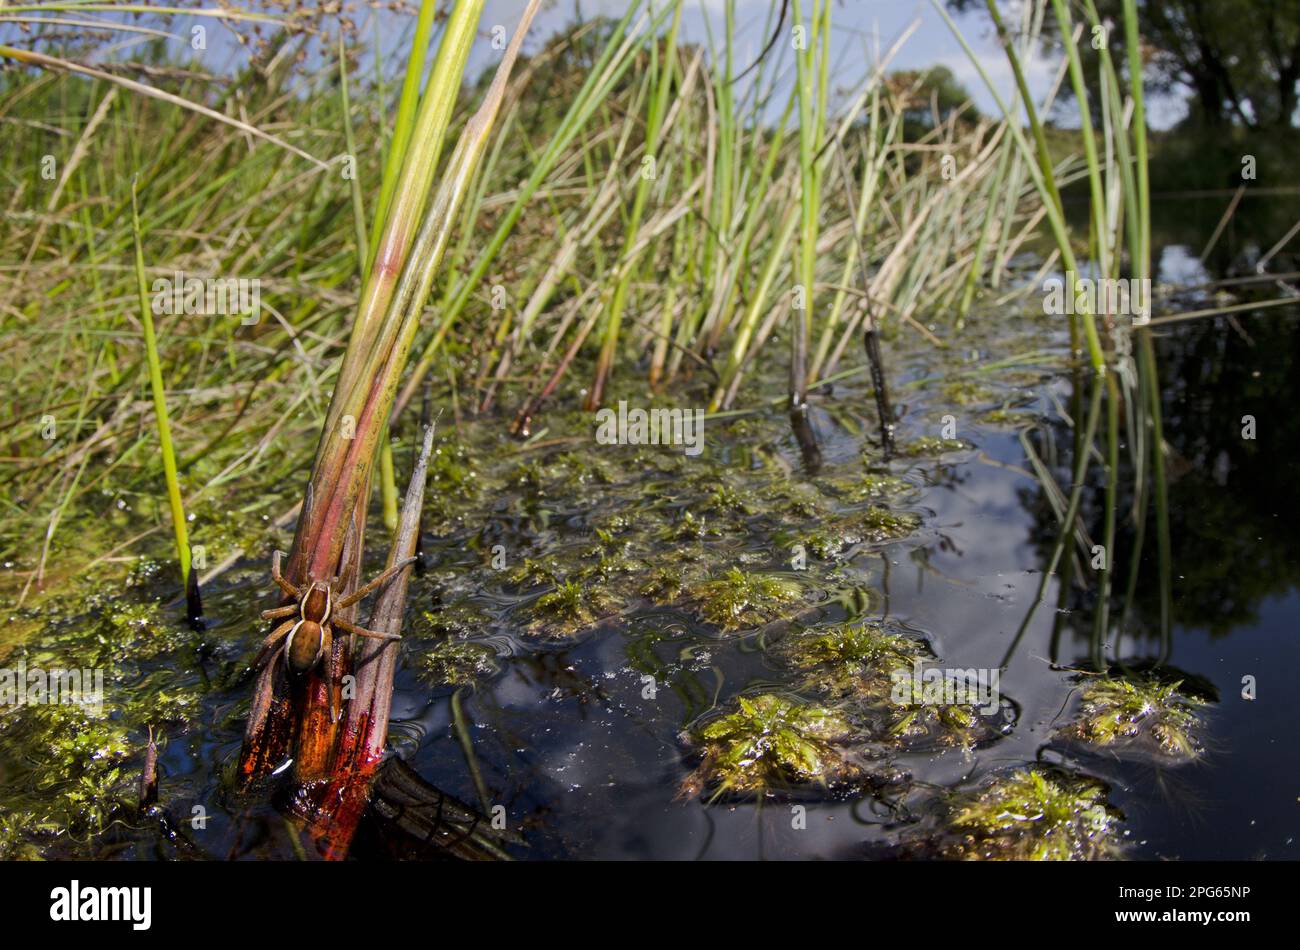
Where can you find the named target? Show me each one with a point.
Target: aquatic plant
(770, 741)
(663, 585)
(930, 445)
(1034, 815)
(878, 523)
(797, 500)
(876, 485)
(84, 783)
(851, 658)
(1007, 416)
(450, 662)
(609, 565)
(964, 391)
(16, 832)
(189, 581)
(453, 620)
(533, 571)
(572, 607)
(828, 543)
(739, 599)
(728, 498)
(1121, 710)
(413, 232)
(691, 528)
(913, 716)
(874, 525)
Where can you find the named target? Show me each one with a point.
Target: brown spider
(308, 634)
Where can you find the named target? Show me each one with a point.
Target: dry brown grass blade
(33, 58)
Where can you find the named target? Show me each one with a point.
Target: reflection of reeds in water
(1119, 243)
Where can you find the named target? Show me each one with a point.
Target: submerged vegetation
(857, 659)
(740, 599)
(770, 741)
(1120, 712)
(1034, 815)
(572, 607)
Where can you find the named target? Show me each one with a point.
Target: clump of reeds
(328, 543)
(546, 273)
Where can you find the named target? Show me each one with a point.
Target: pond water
(588, 712)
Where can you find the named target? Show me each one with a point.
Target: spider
(308, 633)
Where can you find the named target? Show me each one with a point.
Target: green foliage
(663, 585)
(454, 620)
(912, 718)
(851, 658)
(1119, 711)
(16, 832)
(1035, 815)
(451, 662)
(739, 599)
(873, 486)
(571, 608)
(771, 741)
(930, 97)
(930, 446)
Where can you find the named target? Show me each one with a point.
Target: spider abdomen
(304, 648)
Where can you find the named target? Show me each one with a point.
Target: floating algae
(453, 620)
(928, 446)
(851, 659)
(880, 672)
(740, 599)
(1139, 712)
(771, 741)
(915, 715)
(691, 528)
(450, 662)
(534, 571)
(966, 392)
(872, 486)
(572, 608)
(664, 585)
(1033, 815)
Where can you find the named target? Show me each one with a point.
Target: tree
(928, 97)
(1238, 59)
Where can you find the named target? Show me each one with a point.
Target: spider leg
(331, 667)
(279, 578)
(288, 610)
(270, 644)
(351, 627)
(383, 578)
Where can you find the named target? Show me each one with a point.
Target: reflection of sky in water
(578, 746)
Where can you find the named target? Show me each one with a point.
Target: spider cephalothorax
(307, 635)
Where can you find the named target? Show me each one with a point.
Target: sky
(859, 27)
